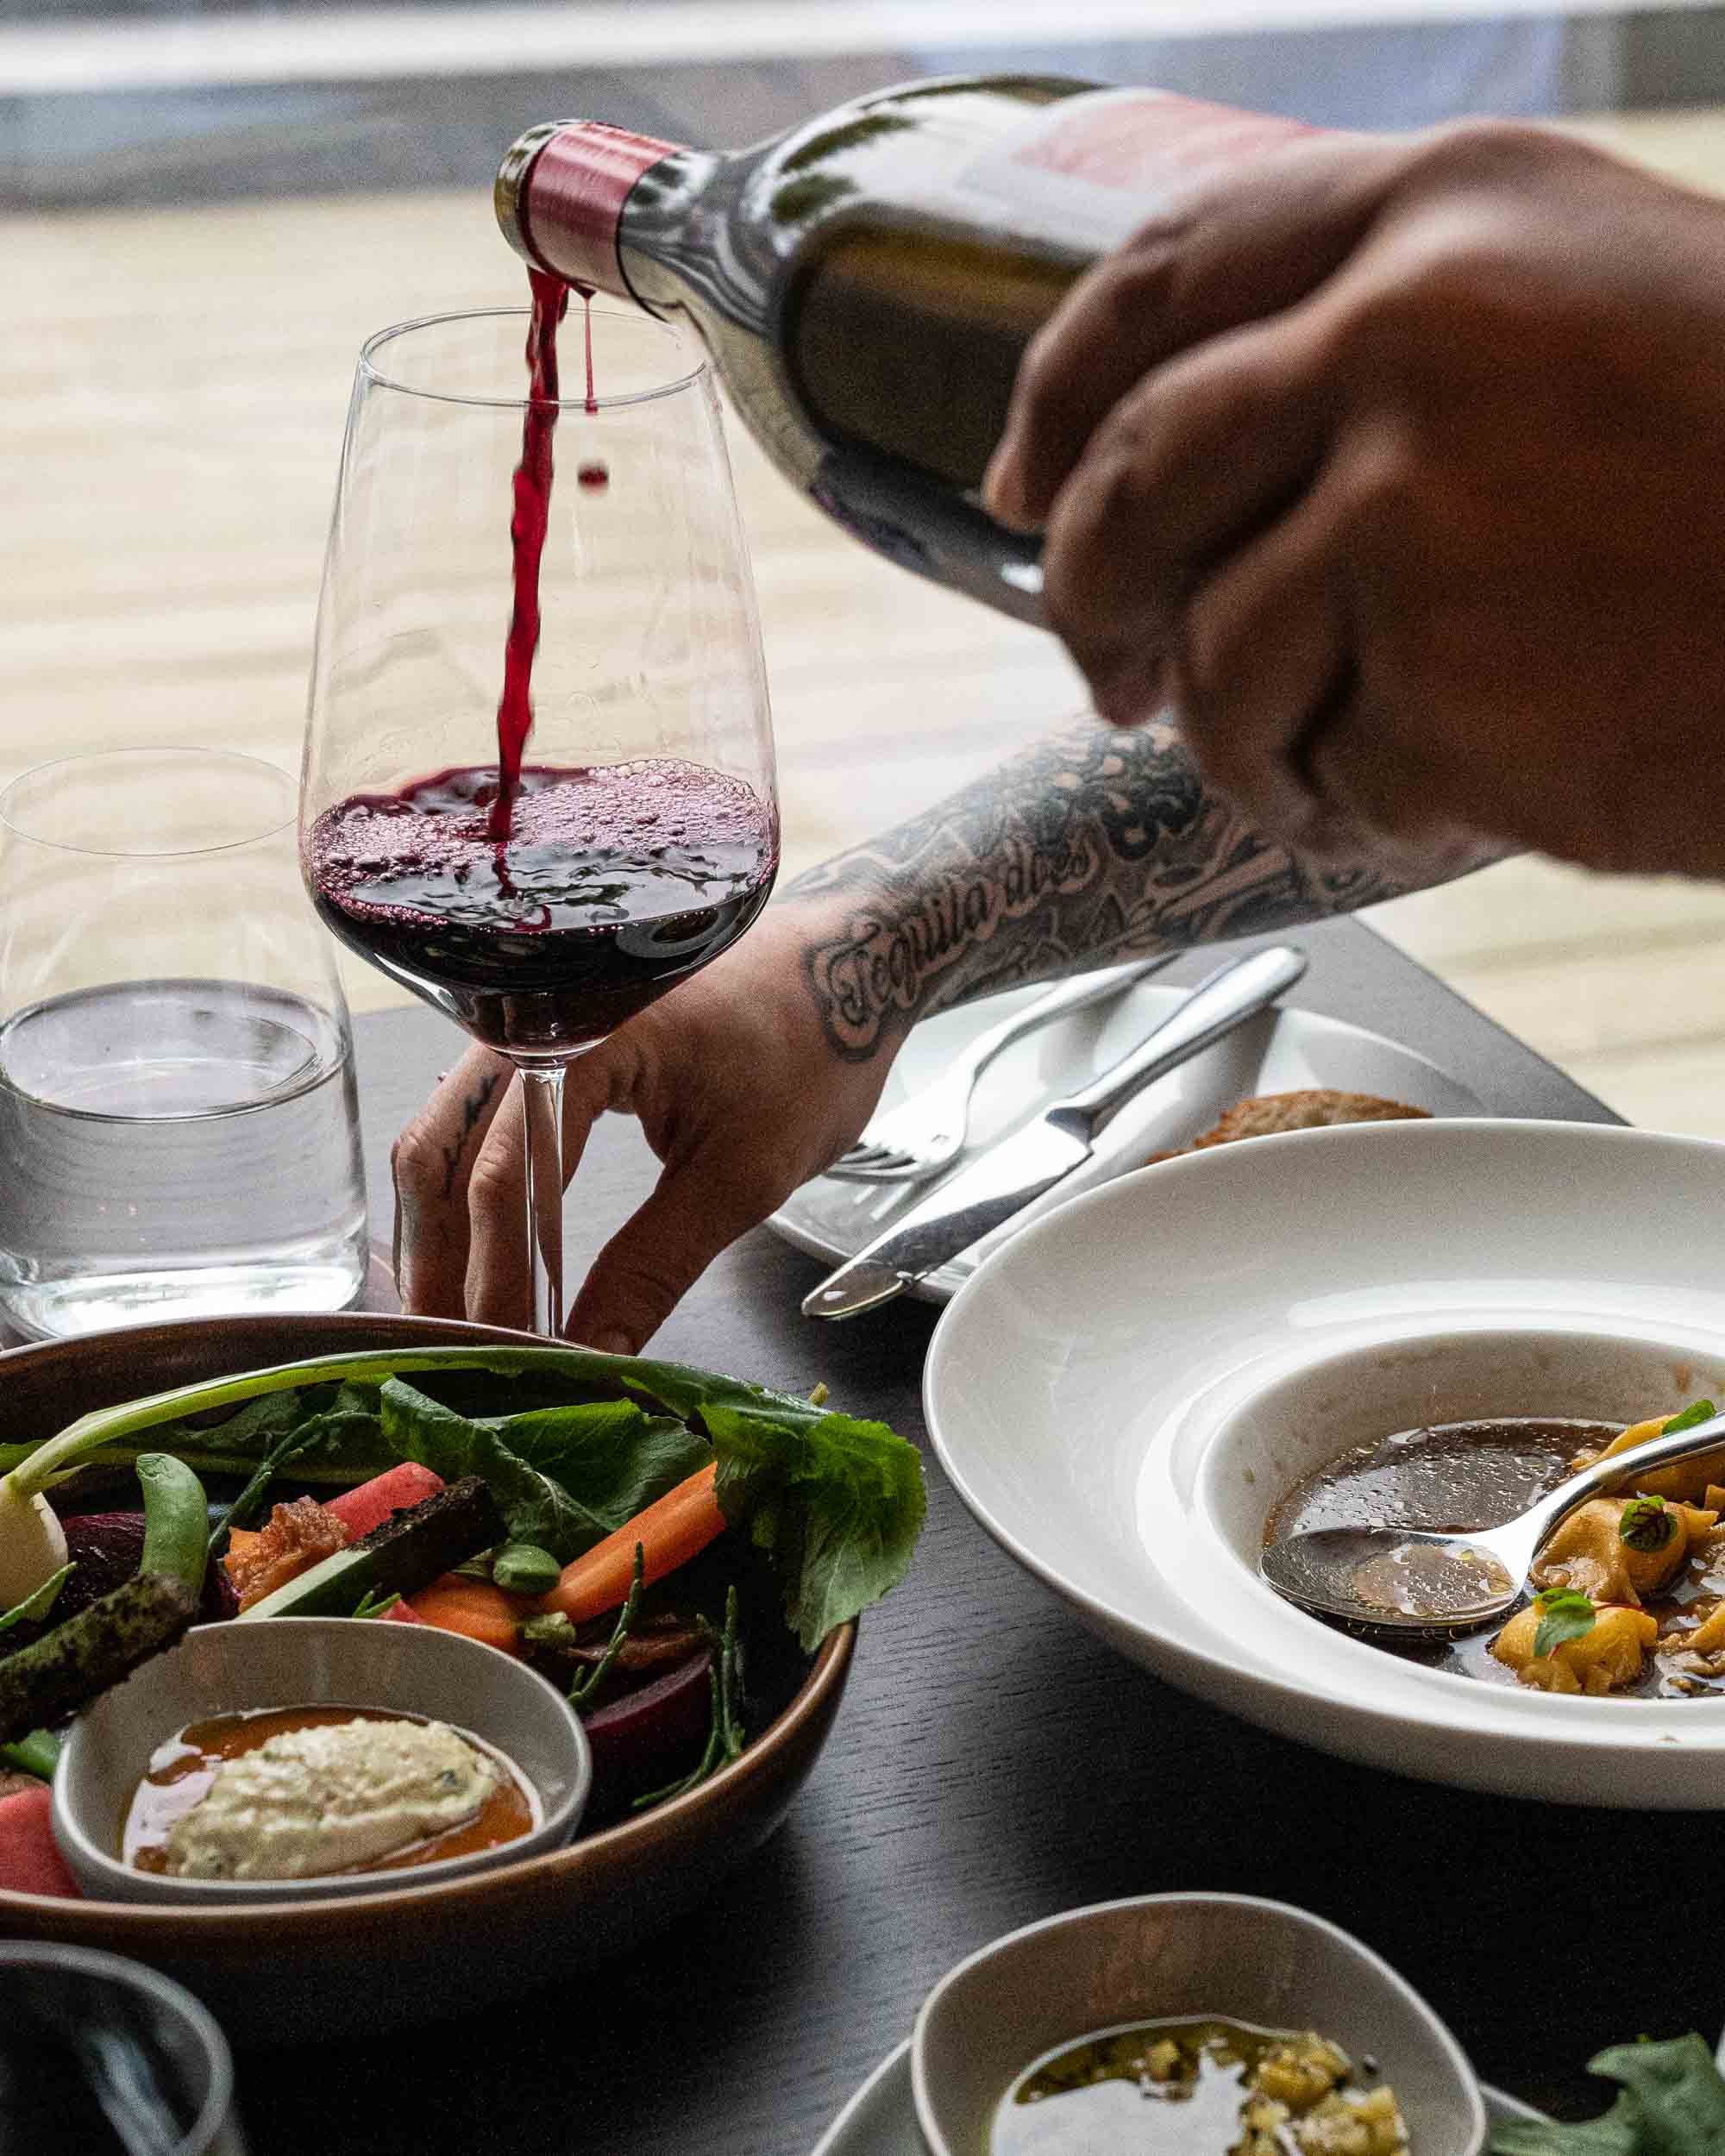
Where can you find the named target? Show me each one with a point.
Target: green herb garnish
(35, 1607)
(1699, 1411)
(1648, 1525)
(376, 1606)
(1564, 1613)
(726, 1737)
(585, 1686)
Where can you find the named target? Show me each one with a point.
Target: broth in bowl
(1631, 1587)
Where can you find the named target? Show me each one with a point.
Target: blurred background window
(204, 211)
(155, 102)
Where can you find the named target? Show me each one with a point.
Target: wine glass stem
(541, 1089)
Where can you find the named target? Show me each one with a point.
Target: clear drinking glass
(645, 839)
(178, 1127)
(98, 2050)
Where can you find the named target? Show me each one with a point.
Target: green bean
(522, 1568)
(175, 1520)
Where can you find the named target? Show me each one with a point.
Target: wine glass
(643, 838)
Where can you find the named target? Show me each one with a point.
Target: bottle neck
(560, 194)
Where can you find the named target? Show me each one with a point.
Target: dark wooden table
(992, 1763)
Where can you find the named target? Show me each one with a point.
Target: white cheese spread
(330, 1798)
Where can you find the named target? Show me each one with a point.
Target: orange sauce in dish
(182, 1769)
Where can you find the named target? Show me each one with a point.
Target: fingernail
(611, 1343)
(1131, 692)
(401, 1246)
(1000, 490)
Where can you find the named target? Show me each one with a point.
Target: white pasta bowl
(312, 1662)
(1126, 1392)
(1179, 1957)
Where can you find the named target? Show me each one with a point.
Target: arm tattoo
(1092, 846)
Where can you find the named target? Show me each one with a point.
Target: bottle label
(572, 200)
(1089, 170)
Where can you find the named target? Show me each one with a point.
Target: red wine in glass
(615, 882)
(540, 903)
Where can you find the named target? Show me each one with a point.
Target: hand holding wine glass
(541, 906)
(739, 1090)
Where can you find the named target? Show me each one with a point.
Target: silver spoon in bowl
(1408, 1584)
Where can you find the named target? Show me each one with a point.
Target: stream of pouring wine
(527, 528)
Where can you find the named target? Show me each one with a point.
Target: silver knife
(974, 1202)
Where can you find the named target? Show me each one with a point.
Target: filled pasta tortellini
(1603, 1658)
(1605, 1562)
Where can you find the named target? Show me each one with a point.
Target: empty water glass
(178, 1127)
(102, 2057)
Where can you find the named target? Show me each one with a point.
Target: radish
(397, 1489)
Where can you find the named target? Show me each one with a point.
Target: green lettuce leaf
(611, 1454)
(563, 1478)
(1671, 2103)
(837, 1504)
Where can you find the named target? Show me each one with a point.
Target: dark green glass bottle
(866, 282)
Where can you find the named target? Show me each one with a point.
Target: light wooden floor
(172, 387)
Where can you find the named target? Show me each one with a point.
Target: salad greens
(563, 1478)
(571, 1444)
(836, 1504)
(1671, 2102)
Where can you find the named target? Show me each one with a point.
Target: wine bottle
(866, 282)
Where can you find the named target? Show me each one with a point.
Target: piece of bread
(1315, 1108)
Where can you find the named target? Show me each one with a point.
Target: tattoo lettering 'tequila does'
(1093, 846)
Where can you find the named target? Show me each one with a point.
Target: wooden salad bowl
(379, 1961)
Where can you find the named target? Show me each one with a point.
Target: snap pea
(522, 1568)
(175, 1520)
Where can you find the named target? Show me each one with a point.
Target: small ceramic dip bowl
(309, 1661)
(1179, 1957)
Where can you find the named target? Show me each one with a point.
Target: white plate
(1092, 1395)
(880, 2120)
(1278, 1052)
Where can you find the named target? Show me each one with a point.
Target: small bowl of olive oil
(1193, 2024)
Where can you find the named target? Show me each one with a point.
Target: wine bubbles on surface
(615, 882)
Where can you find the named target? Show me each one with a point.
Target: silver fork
(926, 1133)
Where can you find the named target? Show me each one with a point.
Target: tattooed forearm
(1094, 845)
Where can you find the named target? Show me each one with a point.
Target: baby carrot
(473, 1607)
(674, 1528)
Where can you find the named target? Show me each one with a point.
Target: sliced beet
(105, 1548)
(649, 1737)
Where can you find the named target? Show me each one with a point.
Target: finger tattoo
(471, 1109)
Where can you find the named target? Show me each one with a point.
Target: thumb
(657, 1256)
